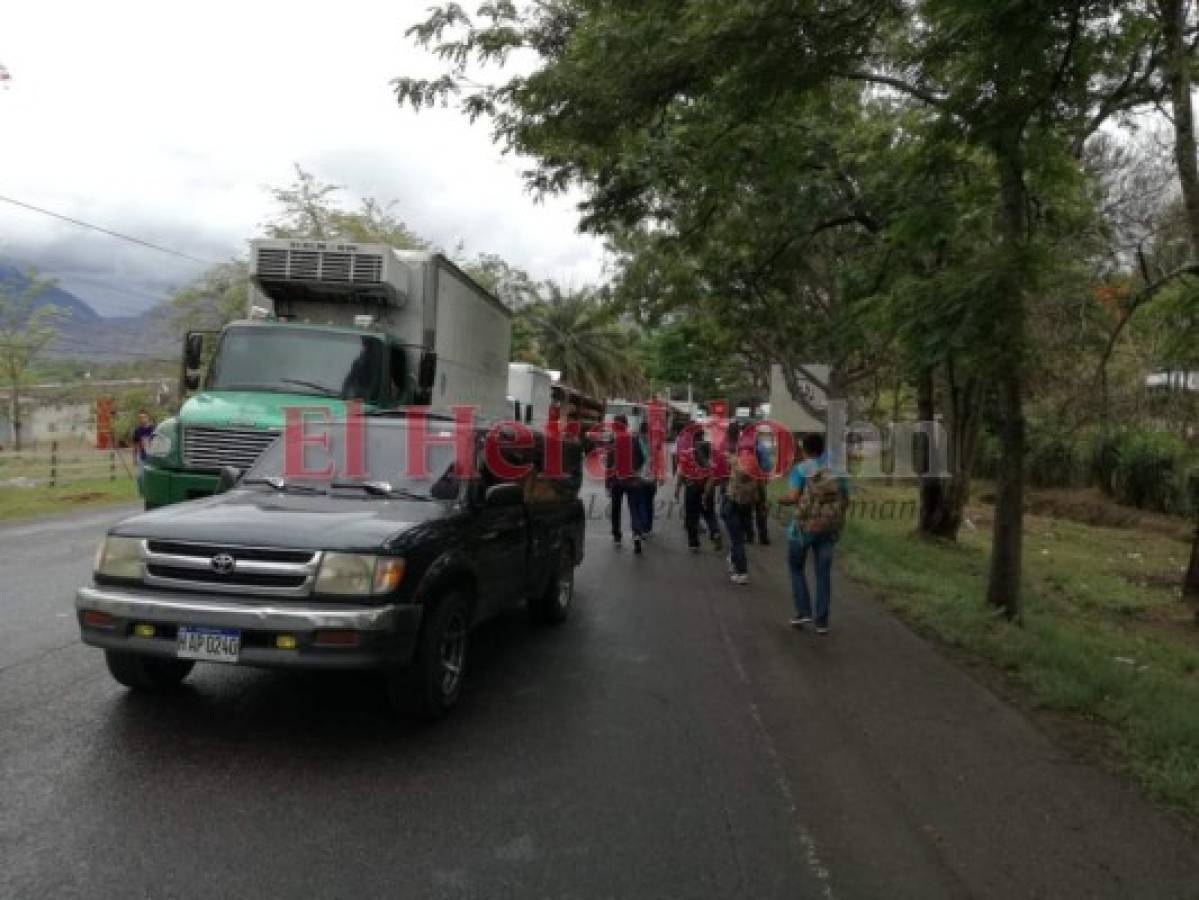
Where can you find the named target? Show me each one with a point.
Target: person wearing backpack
(740, 494)
(821, 499)
(693, 480)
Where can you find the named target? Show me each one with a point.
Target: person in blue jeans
(820, 497)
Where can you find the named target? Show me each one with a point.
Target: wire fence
(53, 464)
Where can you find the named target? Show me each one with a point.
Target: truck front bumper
(161, 487)
(386, 634)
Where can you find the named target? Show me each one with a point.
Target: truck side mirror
(507, 494)
(193, 353)
(227, 479)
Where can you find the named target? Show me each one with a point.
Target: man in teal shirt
(819, 541)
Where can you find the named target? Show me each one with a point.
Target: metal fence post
(112, 465)
(53, 463)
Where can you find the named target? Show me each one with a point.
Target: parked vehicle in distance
(387, 570)
(329, 323)
(530, 392)
(636, 413)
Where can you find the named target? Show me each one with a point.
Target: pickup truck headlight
(163, 441)
(358, 574)
(120, 557)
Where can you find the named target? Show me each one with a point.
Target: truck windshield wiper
(282, 485)
(381, 489)
(324, 389)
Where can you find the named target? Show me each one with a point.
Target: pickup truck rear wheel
(553, 606)
(433, 684)
(146, 673)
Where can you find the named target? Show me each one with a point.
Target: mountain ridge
(85, 333)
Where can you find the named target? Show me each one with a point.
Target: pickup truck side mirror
(228, 479)
(508, 494)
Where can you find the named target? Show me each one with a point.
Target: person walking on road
(616, 480)
(649, 480)
(820, 497)
(694, 480)
(740, 493)
(757, 523)
(628, 485)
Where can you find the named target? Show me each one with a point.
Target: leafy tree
(218, 297)
(26, 329)
(631, 100)
(511, 284)
(577, 334)
(308, 208)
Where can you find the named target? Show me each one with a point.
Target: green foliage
(1095, 640)
(308, 208)
(1147, 469)
(218, 297)
(580, 336)
(26, 329)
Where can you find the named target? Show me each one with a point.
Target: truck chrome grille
(275, 264)
(211, 448)
(219, 568)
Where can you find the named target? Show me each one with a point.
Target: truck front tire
(431, 686)
(146, 673)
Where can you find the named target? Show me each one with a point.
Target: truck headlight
(163, 441)
(120, 557)
(358, 574)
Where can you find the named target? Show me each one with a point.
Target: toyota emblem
(223, 563)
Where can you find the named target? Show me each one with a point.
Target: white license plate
(208, 644)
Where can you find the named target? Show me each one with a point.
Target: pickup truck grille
(219, 568)
(211, 448)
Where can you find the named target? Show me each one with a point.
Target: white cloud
(167, 121)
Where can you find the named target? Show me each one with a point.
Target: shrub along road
(674, 739)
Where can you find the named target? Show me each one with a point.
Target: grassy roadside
(41, 500)
(1104, 636)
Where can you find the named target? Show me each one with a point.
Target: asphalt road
(674, 739)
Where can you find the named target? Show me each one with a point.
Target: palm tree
(580, 336)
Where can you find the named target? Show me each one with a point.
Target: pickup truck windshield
(386, 459)
(298, 361)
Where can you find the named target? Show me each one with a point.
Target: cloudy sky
(167, 121)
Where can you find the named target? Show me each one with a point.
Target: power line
(109, 232)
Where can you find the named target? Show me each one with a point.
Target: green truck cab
(330, 324)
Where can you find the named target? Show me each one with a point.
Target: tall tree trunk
(1174, 26)
(1190, 582)
(1007, 543)
(934, 511)
(943, 496)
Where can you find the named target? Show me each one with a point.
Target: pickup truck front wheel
(554, 604)
(146, 673)
(432, 685)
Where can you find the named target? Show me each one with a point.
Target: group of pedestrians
(729, 486)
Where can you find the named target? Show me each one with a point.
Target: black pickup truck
(389, 569)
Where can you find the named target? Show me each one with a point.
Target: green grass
(1104, 635)
(42, 500)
